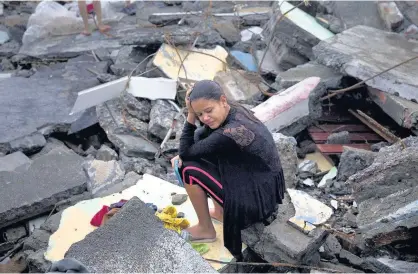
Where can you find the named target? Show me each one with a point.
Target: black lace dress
(249, 167)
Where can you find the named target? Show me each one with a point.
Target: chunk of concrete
(228, 31)
(285, 57)
(136, 164)
(402, 111)
(292, 110)
(13, 161)
(342, 137)
(280, 242)
(15, 233)
(286, 146)
(298, 30)
(28, 144)
(328, 76)
(386, 265)
(362, 52)
(394, 169)
(103, 174)
(308, 166)
(328, 177)
(49, 179)
(131, 178)
(247, 34)
(390, 14)
(240, 86)
(353, 160)
(106, 154)
(141, 242)
(379, 220)
(161, 119)
(133, 146)
(269, 64)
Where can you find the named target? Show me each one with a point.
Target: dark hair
(211, 90)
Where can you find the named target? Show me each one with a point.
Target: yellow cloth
(169, 217)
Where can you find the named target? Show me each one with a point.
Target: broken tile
(292, 110)
(329, 176)
(240, 86)
(334, 204)
(308, 208)
(244, 60)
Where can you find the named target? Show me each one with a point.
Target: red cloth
(90, 8)
(98, 217)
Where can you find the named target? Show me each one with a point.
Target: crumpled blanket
(169, 217)
(68, 265)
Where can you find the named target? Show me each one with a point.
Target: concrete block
(14, 160)
(286, 146)
(328, 76)
(141, 243)
(353, 160)
(292, 110)
(362, 52)
(50, 178)
(240, 86)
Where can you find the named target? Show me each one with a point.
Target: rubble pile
(87, 117)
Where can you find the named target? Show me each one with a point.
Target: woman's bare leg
(98, 9)
(82, 6)
(218, 212)
(204, 229)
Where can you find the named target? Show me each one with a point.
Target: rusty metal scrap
(375, 126)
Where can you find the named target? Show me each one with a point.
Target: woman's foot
(86, 33)
(201, 233)
(104, 28)
(217, 214)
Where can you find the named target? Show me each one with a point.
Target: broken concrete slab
(387, 265)
(362, 52)
(292, 110)
(393, 166)
(383, 221)
(50, 178)
(161, 118)
(14, 161)
(280, 242)
(353, 160)
(15, 233)
(103, 175)
(133, 146)
(328, 76)
(354, 14)
(150, 88)
(402, 111)
(390, 14)
(298, 30)
(286, 146)
(150, 250)
(28, 144)
(136, 164)
(228, 32)
(240, 86)
(269, 65)
(199, 64)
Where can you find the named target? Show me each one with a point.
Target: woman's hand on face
(174, 159)
(187, 99)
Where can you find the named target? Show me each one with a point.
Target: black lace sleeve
(215, 144)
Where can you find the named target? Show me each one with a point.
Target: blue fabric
(176, 171)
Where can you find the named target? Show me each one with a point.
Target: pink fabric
(205, 187)
(202, 171)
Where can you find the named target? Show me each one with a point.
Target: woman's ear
(224, 101)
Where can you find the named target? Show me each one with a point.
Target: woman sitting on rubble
(234, 161)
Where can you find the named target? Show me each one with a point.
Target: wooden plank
(321, 137)
(338, 127)
(338, 149)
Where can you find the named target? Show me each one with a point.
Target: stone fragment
(15, 233)
(390, 14)
(137, 236)
(106, 154)
(240, 86)
(228, 32)
(286, 146)
(330, 22)
(325, 181)
(386, 265)
(136, 164)
(281, 242)
(358, 52)
(342, 137)
(38, 240)
(131, 178)
(308, 182)
(284, 56)
(37, 262)
(13, 161)
(339, 267)
(351, 259)
(292, 110)
(49, 179)
(376, 147)
(308, 166)
(332, 246)
(103, 174)
(9, 49)
(161, 118)
(4, 37)
(178, 199)
(353, 160)
(350, 220)
(328, 76)
(334, 204)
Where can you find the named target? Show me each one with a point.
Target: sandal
(187, 236)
